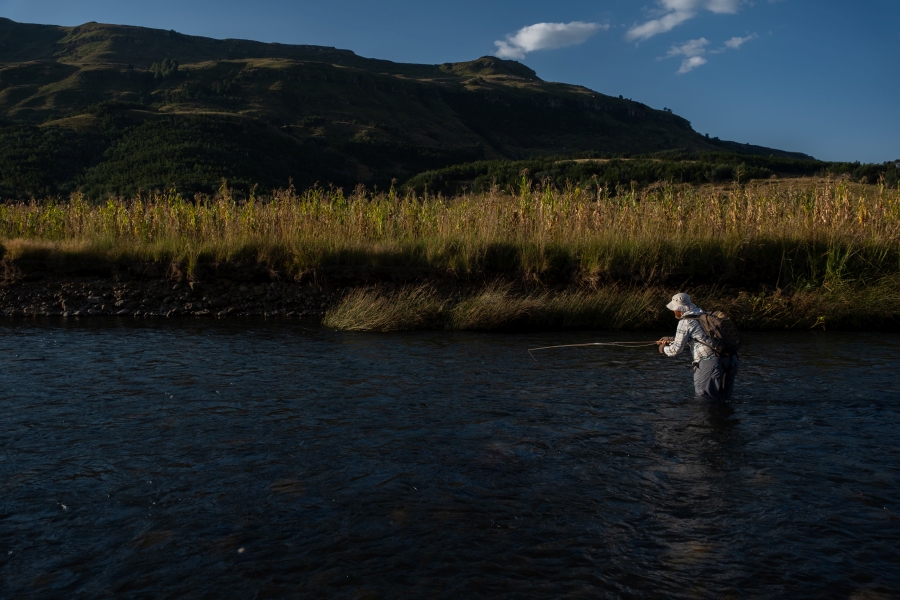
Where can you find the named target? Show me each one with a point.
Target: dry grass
(376, 310)
(495, 306)
(500, 306)
(833, 247)
(783, 232)
(869, 306)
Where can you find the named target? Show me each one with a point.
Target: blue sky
(819, 77)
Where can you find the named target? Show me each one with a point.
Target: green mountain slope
(140, 108)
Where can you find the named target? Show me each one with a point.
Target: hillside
(117, 109)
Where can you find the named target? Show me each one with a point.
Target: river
(251, 458)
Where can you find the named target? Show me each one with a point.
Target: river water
(254, 459)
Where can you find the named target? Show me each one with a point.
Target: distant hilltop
(113, 108)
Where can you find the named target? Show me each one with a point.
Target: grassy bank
(873, 306)
(771, 233)
(821, 244)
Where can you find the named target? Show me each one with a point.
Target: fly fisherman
(713, 372)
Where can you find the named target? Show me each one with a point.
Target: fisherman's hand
(663, 342)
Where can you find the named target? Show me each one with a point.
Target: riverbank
(94, 297)
(500, 306)
(778, 255)
(450, 306)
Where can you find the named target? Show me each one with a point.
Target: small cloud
(736, 42)
(695, 51)
(691, 48)
(546, 36)
(689, 64)
(673, 13)
(657, 26)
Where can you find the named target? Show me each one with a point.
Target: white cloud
(656, 26)
(736, 42)
(673, 13)
(695, 51)
(689, 64)
(691, 48)
(546, 36)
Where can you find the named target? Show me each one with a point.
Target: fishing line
(620, 344)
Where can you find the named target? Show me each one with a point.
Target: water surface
(275, 459)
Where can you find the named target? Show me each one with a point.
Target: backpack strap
(718, 352)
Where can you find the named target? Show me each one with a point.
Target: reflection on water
(262, 459)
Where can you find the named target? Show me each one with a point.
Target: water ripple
(249, 459)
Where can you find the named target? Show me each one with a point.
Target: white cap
(682, 303)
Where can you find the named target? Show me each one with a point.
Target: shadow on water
(254, 458)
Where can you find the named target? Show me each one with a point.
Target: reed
(801, 233)
(494, 306)
(377, 310)
(871, 305)
(500, 306)
(831, 248)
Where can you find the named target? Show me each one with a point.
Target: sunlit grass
(499, 306)
(807, 234)
(494, 306)
(376, 310)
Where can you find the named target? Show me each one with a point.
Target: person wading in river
(714, 372)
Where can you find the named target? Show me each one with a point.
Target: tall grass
(806, 234)
(499, 306)
(376, 310)
(610, 307)
(494, 306)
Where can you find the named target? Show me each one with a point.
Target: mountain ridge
(334, 116)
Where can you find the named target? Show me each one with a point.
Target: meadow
(794, 253)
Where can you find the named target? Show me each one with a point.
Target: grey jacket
(690, 334)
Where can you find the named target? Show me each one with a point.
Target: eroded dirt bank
(368, 299)
(86, 296)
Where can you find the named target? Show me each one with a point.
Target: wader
(714, 376)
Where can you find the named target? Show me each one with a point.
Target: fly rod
(620, 344)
